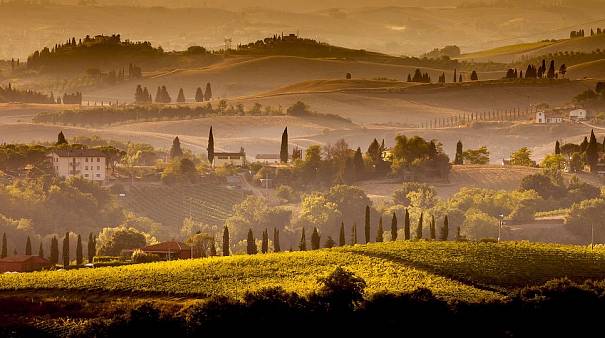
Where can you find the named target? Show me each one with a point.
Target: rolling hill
(520, 52)
(593, 69)
(452, 270)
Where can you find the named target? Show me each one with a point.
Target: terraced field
(169, 205)
(452, 270)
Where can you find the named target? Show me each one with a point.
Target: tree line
(143, 96)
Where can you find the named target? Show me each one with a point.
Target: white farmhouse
(543, 118)
(90, 164)
(234, 159)
(578, 114)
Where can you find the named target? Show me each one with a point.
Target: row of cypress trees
(252, 249)
(54, 249)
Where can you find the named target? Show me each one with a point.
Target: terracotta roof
(24, 258)
(229, 154)
(268, 157)
(166, 247)
(78, 153)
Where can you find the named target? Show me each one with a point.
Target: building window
(98, 175)
(98, 167)
(98, 159)
(87, 159)
(85, 175)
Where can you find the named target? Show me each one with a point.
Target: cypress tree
(432, 228)
(90, 248)
(459, 158)
(208, 92)
(358, 164)
(54, 250)
(276, 245)
(444, 230)
(557, 148)
(283, 152)
(302, 245)
(213, 247)
(41, 250)
(367, 224)
(592, 152)
(158, 95)
(406, 225)
(341, 237)
(61, 139)
(199, 95)
(379, 232)
(315, 239)
(79, 254)
(175, 150)
(28, 247)
(455, 75)
(419, 226)
(354, 234)
(584, 144)
(66, 250)
(394, 227)
(251, 248)
(181, 97)
(474, 76)
(210, 146)
(4, 247)
(225, 241)
(460, 78)
(265, 242)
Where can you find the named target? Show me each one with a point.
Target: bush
(287, 193)
(140, 256)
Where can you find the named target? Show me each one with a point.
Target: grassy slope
(452, 270)
(593, 69)
(528, 50)
(504, 51)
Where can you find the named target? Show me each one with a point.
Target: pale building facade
(90, 164)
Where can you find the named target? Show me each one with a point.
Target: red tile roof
(166, 247)
(23, 259)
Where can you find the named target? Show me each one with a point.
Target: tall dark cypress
(54, 250)
(41, 250)
(210, 146)
(459, 159)
(79, 253)
(28, 247)
(432, 228)
(419, 226)
(557, 148)
(406, 225)
(302, 245)
(367, 224)
(91, 248)
(265, 242)
(61, 139)
(379, 232)
(199, 95)
(251, 248)
(394, 227)
(4, 247)
(226, 241)
(315, 239)
(283, 152)
(354, 234)
(592, 152)
(213, 247)
(341, 237)
(208, 92)
(66, 249)
(276, 246)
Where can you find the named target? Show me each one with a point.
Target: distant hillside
(593, 69)
(528, 51)
(328, 86)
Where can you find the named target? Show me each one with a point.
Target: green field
(207, 203)
(452, 270)
(506, 50)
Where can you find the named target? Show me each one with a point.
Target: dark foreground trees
(339, 307)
